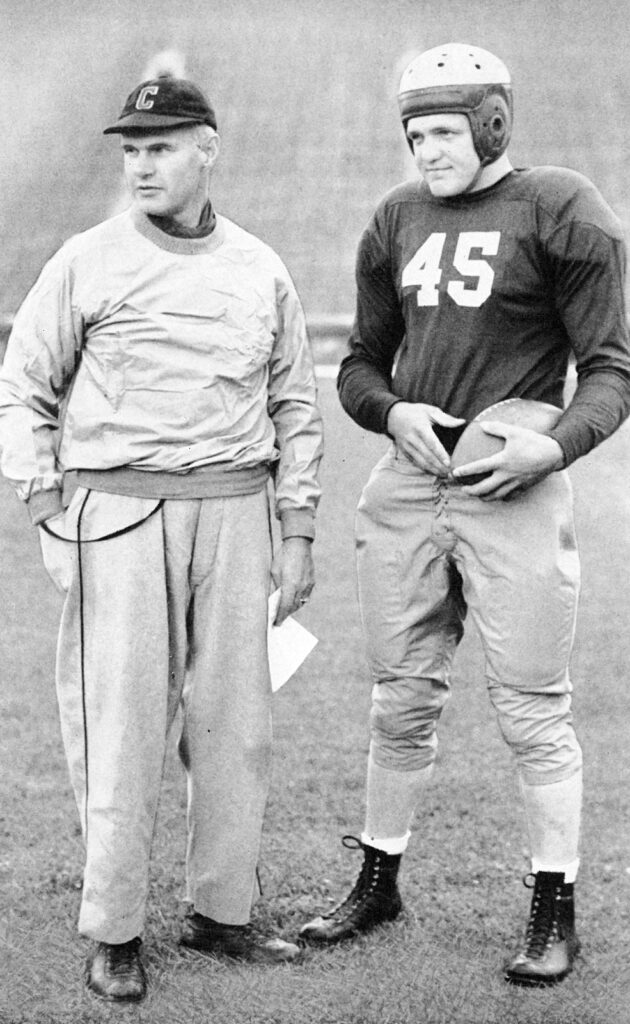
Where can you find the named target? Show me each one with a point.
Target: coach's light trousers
(170, 613)
(427, 553)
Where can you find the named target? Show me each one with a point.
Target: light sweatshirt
(179, 364)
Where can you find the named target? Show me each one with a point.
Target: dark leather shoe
(551, 944)
(115, 972)
(374, 900)
(235, 941)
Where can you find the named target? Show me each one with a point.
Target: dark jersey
(466, 301)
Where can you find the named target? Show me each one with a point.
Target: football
(476, 444)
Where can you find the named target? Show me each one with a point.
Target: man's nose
(143, 165)
(428, 150)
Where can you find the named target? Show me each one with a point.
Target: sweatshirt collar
(205, 227)
(185, 246)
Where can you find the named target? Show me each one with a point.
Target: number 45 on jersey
(425, 273)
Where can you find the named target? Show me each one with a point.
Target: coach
(157, 376)
(475, 286)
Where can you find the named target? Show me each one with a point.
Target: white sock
(390, 846)
(392, 798)
(553, 824)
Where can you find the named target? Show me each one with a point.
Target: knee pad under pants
(538, 728)
(403, 722)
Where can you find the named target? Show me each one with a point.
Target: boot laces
(542, 927)
(365, 884)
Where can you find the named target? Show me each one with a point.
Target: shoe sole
(314, 940)
(220, 953)
(114, 999)
(536, 981)
(524, 981)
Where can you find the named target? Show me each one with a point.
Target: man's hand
(292, 571)
(526, 458)
(411, 426)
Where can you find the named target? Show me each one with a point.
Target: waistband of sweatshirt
(214, 481)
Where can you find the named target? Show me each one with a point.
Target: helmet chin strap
(472, 186)
(503, 167)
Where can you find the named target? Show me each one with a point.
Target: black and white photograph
(314, 512)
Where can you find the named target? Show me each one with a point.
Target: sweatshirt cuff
(559, 436)
(44, 504)
(386, 409)
(297, 522)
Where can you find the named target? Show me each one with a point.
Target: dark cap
(163, 103)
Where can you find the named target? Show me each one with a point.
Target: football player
(476, 285)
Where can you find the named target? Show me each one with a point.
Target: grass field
(461, 879)
(305, 99)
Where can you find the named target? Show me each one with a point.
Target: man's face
(444, 153)
(167, 172)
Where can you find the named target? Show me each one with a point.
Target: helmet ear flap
(491, 126)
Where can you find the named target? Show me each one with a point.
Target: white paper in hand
(288, 645)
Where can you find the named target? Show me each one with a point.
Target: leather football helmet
(461, 79)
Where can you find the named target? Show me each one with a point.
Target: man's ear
(212, 152)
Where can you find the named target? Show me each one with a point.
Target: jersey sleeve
(292, 406)
(365, 374)
(40, 361)
(588, 266)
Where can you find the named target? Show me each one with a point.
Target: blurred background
(305, 94)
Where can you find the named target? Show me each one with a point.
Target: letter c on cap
(143, 102)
